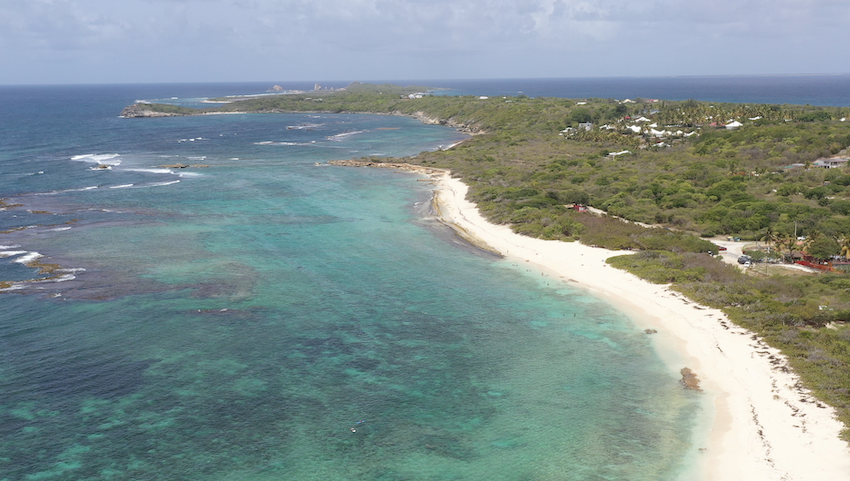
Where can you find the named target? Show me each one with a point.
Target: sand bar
(765, 426)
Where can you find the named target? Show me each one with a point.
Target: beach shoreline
(765, 426)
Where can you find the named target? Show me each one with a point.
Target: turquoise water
(266, 318)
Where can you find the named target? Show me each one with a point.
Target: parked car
(746, 260)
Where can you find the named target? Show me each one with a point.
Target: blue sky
(128, 41)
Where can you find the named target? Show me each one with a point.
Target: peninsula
(661, 189)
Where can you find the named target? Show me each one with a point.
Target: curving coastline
(765, 425)
(143, 110)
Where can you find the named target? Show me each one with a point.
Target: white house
(733, 125)
(830, 163)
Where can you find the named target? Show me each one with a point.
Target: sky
(157, 41)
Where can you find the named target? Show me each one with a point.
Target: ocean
(822, 90)
(264, 316)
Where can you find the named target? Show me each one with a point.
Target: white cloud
(327, 38)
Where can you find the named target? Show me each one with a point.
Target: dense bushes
(789, 312)
(743, 182)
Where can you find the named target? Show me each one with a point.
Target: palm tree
(810, 239)
(769, 237)
(844, 241)
(790, 242)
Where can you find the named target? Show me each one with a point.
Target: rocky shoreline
(137, 111)
(390, 165)
(140, 110)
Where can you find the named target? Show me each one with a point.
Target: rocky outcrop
(690, 379)
(389, 165)
(184, 166)
(466, 127)
(136, 111)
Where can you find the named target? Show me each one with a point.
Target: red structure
(810, 261)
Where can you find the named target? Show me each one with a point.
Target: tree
(844, 243)
(769, 237)
(620, 110)
(812, 237)
(823, 248)
(790, 242)
(581, 116)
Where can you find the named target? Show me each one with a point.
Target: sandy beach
(765, 426)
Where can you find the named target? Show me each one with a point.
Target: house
(733, 125)
(579, 208)
(615, 154)
(585, 126)
(642, 119)
(830, 163)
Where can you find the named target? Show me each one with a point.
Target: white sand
(765, 426)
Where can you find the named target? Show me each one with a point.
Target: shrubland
(683, 172)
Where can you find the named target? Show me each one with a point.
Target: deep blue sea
(267, 318)
(826, 90)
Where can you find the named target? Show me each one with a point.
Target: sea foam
(344, 135)
(152, 171)
(103, 159)
(28, 258)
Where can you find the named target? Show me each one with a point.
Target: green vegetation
(169, 109)
(790, 313)
(683, 172)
